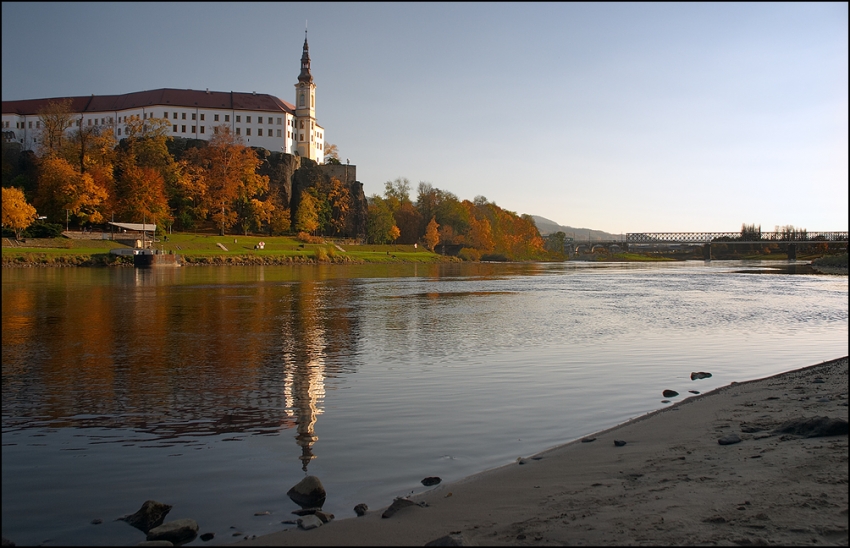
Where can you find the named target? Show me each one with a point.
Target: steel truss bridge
(735, 237)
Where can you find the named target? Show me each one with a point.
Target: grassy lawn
(212, 249)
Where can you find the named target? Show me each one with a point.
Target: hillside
(546, 226)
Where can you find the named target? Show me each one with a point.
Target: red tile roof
(186, 98)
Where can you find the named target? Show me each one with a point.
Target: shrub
(496, 257)
(469, 254)
(43, 229)
(321, 254)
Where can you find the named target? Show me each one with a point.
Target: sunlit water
(213, 389)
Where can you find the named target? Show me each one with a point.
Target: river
(216, 389)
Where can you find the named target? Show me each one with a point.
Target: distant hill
(546, 226)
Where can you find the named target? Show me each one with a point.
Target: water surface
(215, 389)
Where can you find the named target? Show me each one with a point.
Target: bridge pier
(792, 252)
(706, 252)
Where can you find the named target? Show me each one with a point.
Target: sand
(672, 483)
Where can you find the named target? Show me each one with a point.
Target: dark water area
(215, 389)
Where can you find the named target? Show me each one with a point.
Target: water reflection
(175, 360)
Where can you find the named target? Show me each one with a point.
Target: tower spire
(305, 75)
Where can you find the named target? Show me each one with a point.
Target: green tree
(380, 224)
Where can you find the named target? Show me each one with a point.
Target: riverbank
(672, 482)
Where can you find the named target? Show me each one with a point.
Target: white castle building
(261, 120)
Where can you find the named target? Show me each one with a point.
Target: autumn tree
(61, 188)
(230, 178)
(17, 213)
(339, 199)
(55, 117)
(331, 154)
(306, 216)
(432, 236)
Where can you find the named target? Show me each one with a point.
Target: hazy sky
(617, 117)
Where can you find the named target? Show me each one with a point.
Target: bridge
(789, 239)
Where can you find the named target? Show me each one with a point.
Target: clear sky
(616, 117)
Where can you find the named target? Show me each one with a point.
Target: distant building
(261, 120)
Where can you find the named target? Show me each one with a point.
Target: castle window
(278, 123)
(247, 119)
(301, 100)
(301, 137)
(278, 133)
(174, 128)
(247, 131)
(183, 129)
(226, 117)
(259, 119)
(238, 119)
(119, 131)
(202, 117)
(184, 115)
(175, 116)
(260, 132)
(302, 124)
(194, 116)
(165, 115)
(193, 129)
(239, 131)
(215, 117)
(202, 129)
(215, 130)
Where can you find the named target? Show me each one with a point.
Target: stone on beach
(150, 515)
(729, 440)
(308, 493)
(431, 480)
(177, 531)
(669, 393)
(397, 505)
(814, 427)
(361, 509)
(619, 443)
(309, 522)
(452, 539)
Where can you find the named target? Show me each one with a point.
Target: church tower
(305, 110)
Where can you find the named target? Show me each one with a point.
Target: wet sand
(671, 483)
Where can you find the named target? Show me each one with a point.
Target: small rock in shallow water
(179, 531)
(700, 375)
(308, 493)
(150, 515)
(729, 440)
(96, 521)
(309, 522)
(207, 536)
(694, 391)
(669, 393)
(431, 480)
(619, 443)
(324, 516)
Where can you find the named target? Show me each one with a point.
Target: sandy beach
(671, 483)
